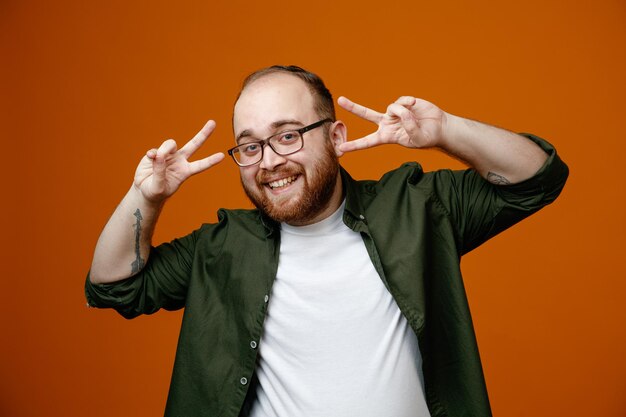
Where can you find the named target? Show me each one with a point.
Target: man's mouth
(282, 182)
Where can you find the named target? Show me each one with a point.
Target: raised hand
(409, 121)
(161, 172)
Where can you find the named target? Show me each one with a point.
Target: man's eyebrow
(243, 134)
(281, 123)
(275, 126)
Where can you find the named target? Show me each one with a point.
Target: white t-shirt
(335, 342)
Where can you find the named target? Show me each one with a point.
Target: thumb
(159, 165)
(158, 173)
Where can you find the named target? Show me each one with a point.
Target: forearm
(124, 244)
(500, 156)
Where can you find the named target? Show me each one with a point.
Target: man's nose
(271, 159)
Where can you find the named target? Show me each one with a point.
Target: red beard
(313, 198)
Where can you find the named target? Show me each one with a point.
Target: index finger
(359, 110)
(197, 141)
(206, 163)
(365, 142)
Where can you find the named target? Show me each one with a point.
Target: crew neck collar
(324, 226)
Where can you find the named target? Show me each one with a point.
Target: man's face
(300, 188)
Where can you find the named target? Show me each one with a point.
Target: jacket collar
(354, 206)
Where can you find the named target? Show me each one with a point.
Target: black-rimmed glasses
(283, 143)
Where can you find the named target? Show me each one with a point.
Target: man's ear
(338, 134)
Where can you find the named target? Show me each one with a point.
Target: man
(336, 297)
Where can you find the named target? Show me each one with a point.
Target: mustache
(264, 176)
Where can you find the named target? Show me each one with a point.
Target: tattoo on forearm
(494, 178)
(139, 262)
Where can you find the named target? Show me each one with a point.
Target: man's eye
(251, 148)
(288, 137)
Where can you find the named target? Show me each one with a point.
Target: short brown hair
(324, 105)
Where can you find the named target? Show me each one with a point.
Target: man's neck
(333, 204)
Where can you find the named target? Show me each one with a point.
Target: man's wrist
(451, 127)
(140, 200)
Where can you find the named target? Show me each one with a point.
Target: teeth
(282, 182)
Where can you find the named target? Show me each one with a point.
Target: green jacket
(415, 226)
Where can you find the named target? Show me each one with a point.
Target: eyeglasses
(283, 143)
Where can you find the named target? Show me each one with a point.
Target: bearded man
(334, 297)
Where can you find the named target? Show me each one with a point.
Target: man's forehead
(271, 99)
(277, 125)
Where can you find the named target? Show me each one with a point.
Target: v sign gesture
(161, 172)
(500, 156)
(124, 244)
(409, 121)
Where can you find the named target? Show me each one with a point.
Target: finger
(152, 153)
(398, 110)
(365, 142)
(408, 121)
(167, 148)
(159, 163)
(361, 111)
(205, 163)
(197, 141)
(406, 101)
(159, 166)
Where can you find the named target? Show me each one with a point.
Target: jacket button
(253, 344)
(266, 299)
(243, 380)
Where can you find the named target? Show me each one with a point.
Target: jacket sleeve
(480, 210)
(162, 283)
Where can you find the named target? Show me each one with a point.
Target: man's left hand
(409, 121)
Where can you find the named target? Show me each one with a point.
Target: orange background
(87, 87)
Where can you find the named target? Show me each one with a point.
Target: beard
(312, 200)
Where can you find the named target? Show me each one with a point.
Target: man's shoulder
(409, 180)
(238, 214)
(411, 173)
(238, 221)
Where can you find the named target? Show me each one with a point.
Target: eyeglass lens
(283, 143)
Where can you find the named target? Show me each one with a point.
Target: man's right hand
(124, 244)
(161, 172)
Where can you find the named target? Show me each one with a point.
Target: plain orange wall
(87, 87)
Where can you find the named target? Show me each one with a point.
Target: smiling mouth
(283, 182)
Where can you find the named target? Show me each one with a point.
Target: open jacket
(415, 226)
